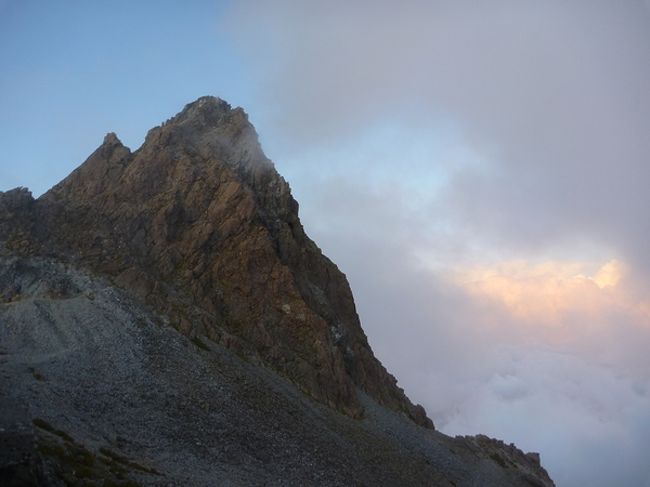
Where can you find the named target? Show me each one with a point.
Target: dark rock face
(20, 463)
(199, 225)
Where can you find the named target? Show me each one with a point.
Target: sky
(478, 170)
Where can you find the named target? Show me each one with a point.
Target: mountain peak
(210, 128)
(199, 224)
(110, 139)
(208, 111)
(207, 103)
(196, 230)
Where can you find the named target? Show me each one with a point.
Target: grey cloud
(553, 96)
(473, 366)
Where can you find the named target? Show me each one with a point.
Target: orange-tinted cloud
(554, 293)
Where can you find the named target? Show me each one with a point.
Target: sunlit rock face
(198, 223)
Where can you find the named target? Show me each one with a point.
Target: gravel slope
(98, 390)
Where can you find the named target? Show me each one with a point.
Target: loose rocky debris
(126, 400)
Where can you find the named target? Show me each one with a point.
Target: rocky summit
(165, 320)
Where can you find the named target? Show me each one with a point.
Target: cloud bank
(480, 172)
(552, 95)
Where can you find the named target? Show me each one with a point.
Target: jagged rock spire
(198, 223)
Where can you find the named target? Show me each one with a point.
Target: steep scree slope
(96, 391)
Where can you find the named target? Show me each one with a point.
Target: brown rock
(199, 224)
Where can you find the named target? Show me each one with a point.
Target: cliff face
(199, 225)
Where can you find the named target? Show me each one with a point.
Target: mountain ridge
(194, 208)
(166, 300)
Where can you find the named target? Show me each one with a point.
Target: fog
(479, 171)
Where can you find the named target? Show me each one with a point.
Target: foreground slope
(98, 391)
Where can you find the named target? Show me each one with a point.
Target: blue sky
(76, 70)
(72, 71)
(478, 171)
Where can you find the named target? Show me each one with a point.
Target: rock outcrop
(199, 225)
